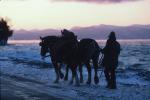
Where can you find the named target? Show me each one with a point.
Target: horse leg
(76, 76)
(95, 63)
(66, 75)
(89, 73)
(57, 72)
(77, 79)
(81, 75)
(71, 81)
(60, 72)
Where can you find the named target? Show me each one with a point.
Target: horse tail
(99, 52)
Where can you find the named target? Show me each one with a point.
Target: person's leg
(113, 79)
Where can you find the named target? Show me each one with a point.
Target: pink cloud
(98, 1)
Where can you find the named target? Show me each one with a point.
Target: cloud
(14, 0)
(97, 1)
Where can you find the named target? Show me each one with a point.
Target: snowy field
(24, 76)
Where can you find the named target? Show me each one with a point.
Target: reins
(47, 55)
(100, 62)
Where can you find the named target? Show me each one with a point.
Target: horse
(61, 50)
(88, 50)
(47, 44)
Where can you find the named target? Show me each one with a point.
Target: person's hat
(112, 35)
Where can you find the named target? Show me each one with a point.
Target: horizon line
(77, 27)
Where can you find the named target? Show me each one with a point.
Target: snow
(23, 61)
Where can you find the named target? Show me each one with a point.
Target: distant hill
(33, 34)
(96, 32)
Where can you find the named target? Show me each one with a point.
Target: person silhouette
(110, 61)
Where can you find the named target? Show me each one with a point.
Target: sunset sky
(42, 14)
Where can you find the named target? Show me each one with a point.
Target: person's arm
(120, 48)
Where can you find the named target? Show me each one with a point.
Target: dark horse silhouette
(61, 52)
(88, 50)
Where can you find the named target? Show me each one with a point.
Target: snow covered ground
(23, 75)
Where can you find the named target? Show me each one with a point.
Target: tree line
(5, 31)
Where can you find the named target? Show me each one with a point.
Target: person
(110, 61)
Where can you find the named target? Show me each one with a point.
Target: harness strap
(47, 55)
(101, 59)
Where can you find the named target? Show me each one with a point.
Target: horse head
(47, 44)
(44, 47)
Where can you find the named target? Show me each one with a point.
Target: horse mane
(68, 34)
